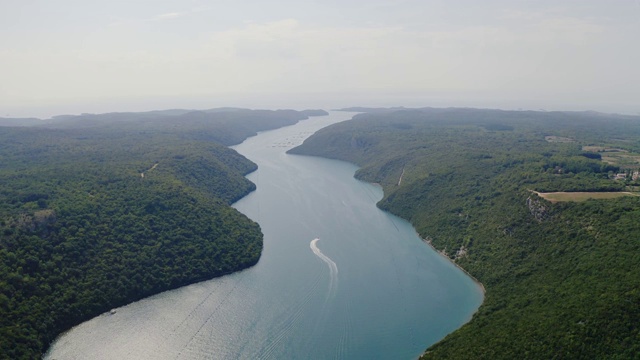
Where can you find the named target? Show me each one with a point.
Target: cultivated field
(615, 156)
(582, 196)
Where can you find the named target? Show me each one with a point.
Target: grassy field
(582, 196)
(616, 156)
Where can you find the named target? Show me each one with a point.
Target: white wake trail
(333, 268)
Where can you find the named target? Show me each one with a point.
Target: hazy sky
(72, 56)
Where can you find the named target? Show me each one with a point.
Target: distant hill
(315, 112)
(160, 116)
(370, 109)
(19, 121)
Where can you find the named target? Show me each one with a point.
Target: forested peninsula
(97, 211)
(541, 207)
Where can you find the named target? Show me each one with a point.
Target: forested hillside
(561, 278)
(97, 211)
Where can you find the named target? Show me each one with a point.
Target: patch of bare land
(624, 160)
(615, 156)
(582, 196)
(593, 148)
(559, 139)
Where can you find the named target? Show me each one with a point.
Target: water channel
(338, 278)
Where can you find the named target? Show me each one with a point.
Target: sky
(75, 56)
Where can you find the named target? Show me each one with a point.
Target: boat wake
(333, 268)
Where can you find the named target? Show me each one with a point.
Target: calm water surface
(338, 278)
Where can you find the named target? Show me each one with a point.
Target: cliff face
(537, 209)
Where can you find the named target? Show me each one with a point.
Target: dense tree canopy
(97, 211)
(561, 279)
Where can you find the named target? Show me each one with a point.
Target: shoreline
(479, 284)
(427, 241)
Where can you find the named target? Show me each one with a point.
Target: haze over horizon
(73, 56)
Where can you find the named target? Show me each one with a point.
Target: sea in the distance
(338, 278)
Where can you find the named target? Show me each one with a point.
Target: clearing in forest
(582, 196)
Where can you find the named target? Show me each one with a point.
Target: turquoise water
(338, 278)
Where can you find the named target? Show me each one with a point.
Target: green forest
(561, 278)
(97, 211)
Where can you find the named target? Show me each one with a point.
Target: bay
(338, 278)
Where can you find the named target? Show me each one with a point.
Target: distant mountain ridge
(20, 121)
(154, 115)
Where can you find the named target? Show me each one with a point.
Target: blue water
(338, 278)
